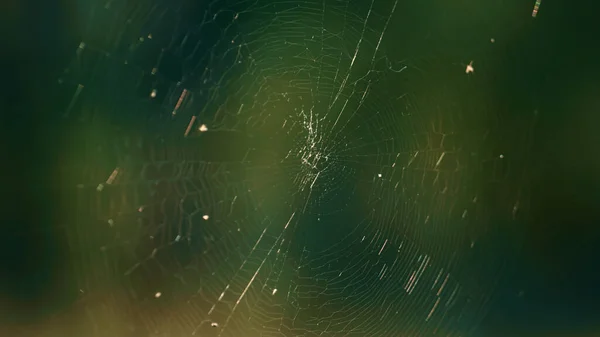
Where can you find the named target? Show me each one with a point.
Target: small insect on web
(536, 8)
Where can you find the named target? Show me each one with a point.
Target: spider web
(277, 168)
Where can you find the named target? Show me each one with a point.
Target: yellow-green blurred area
(299, 168)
